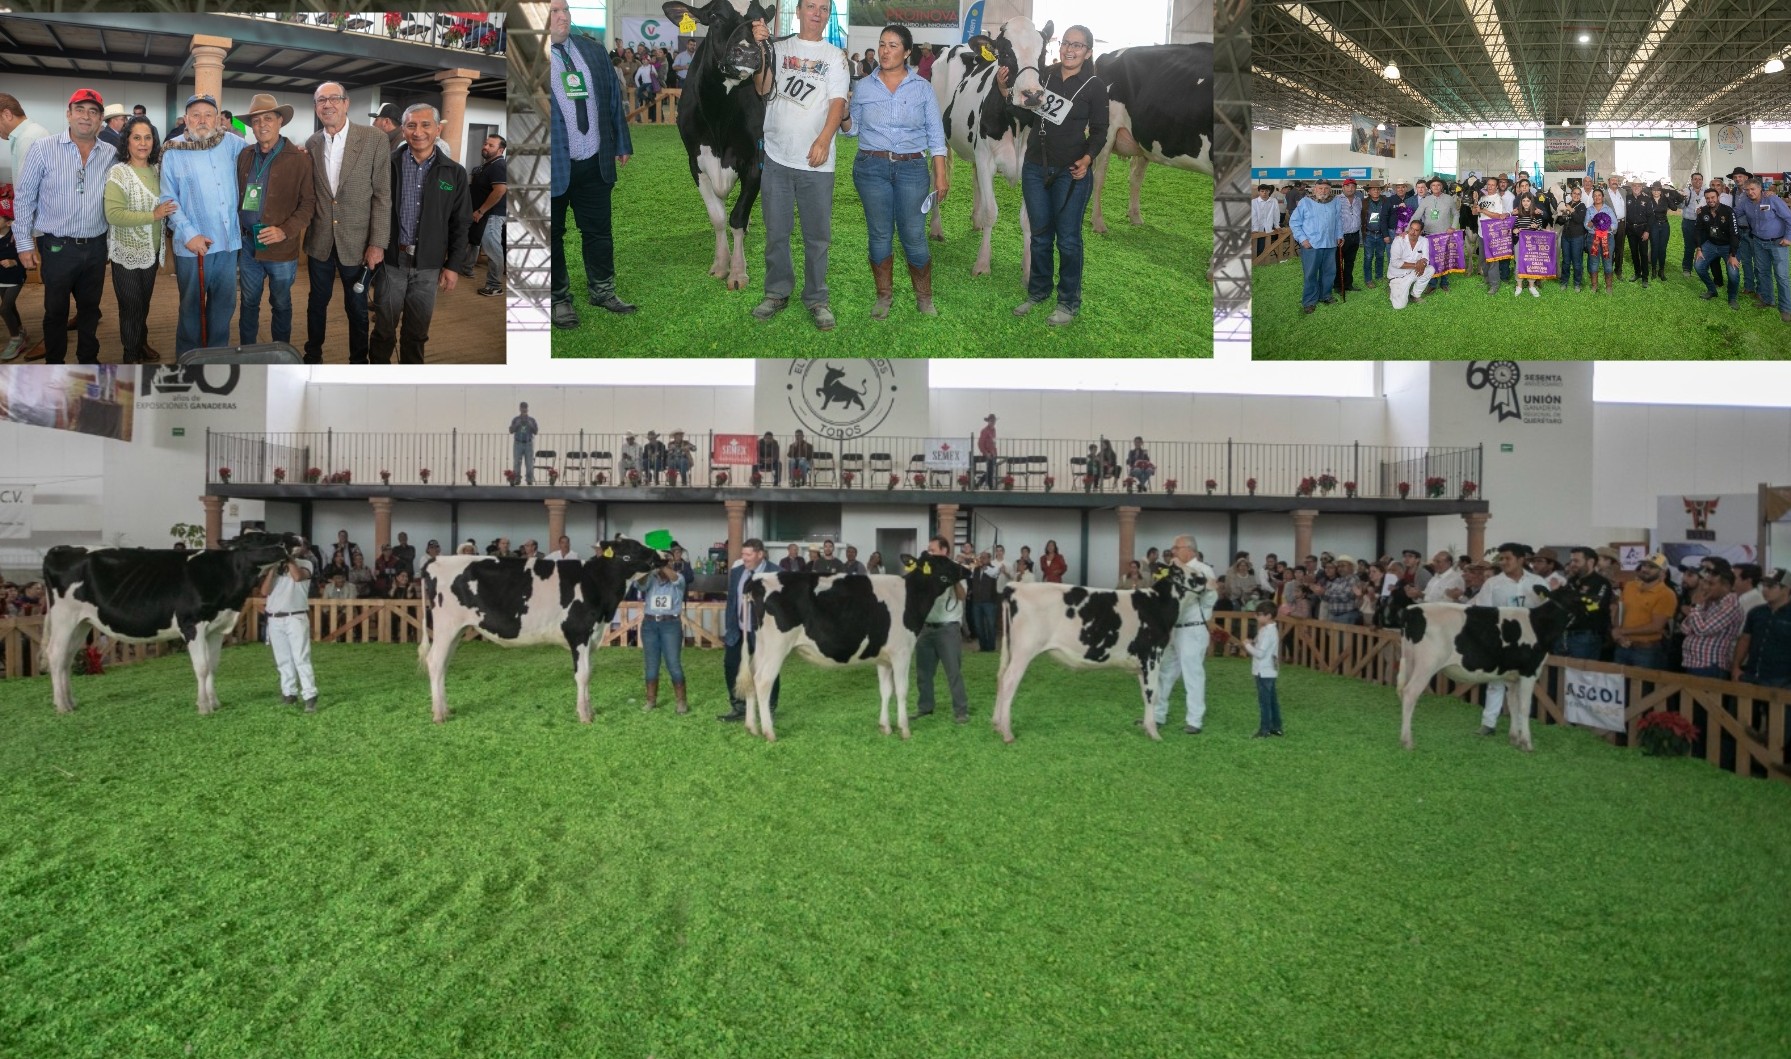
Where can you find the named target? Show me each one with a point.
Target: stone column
(214, 521)
(556, 523)
(208, 66)
(1302, 520)
(947, 523)
(736, 526)
(382, 522)
(454, 85)
(1128, 539)
(1476, 535)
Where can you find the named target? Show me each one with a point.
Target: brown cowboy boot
(923, 288)
(652, 695)
(883, 272)
(683, 703)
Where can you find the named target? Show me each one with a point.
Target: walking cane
(202, 342)
(1342, 287)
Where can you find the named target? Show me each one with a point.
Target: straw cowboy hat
(115, 110)
(263, 103)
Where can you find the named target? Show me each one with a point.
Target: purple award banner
(1495, 239)
(1536, 254)
(1402, 216)
(1448, 252)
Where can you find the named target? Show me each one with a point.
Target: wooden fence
(1744, 727)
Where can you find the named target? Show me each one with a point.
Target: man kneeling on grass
(1412, 270)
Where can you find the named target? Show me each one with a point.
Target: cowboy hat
(116, 110)
(263, 103)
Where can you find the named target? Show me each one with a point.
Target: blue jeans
(1657, 252)
(522, 460)
(1711, 253)
(1573, 259)
(664, 640)
(1600, 263)
(986, 624)
(492, 242)
(1688, 234)
(1584, 644)
(1268, 705)
(892, 193)
(220, 299)
(1744, 240)
(1055, 204)
(1320, 266)
(1711, 672)
(324, 274)
(278, 276)
(1772, 263)
(1654, 657)
(1374, 257)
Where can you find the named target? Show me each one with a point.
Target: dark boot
(603, 295)
(883, 274)
(737, 711)
(923, 288)
(652, 695)
(683, 703)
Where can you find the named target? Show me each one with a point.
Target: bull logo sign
(1501, 377)
(1700, 512)
(841, 398)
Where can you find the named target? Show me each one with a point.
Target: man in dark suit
(752, 561)
(589, 139)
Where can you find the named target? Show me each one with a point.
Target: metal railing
(585, 458)
(483, 34)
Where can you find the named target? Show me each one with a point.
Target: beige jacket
(359, 213)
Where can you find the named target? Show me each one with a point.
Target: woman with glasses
(134, 241)
(1054, 182)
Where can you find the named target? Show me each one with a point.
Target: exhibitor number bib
(1055, 108)
(801, 90)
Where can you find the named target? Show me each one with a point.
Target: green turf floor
(1667, 321)
(1144, 289)
(364, 883)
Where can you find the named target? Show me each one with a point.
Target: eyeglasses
(332, 99)
(1068, 44)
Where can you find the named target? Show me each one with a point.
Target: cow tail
(428, 612)
(1007, 599)
(743, 681)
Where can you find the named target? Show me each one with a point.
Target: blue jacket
(730, 621)
(606, 104)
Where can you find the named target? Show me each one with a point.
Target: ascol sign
(1597, 700)
(842, 398)
(15, 512)
(1536, 398)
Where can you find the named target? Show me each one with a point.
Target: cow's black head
(630, 559)
(262, 549)
(728, 51)
(1170, 580)
(928, 577)
(1568, 598)
(1019, 46)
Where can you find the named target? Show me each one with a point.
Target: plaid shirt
(410, 193)
(1340, 598)
(1711, 630)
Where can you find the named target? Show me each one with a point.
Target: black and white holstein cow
(152, 595)
(988, 129)
(1482, 645)
(721, 119)
(515, 602)
(1160, 109)
(1088, 628)
(838, 620)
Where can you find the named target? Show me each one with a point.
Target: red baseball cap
(1349, 180)
(86, 95)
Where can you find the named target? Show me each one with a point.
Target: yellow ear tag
(1161, 574)
(908, 568)
(609, 553)
(687, 24)
(926, 570)
(988, 56)
(1591, 607)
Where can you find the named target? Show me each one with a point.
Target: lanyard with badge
(573, 81)
(253, 192)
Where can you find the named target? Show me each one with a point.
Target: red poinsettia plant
(1169, 486)
(1469, 488)
(1327, 481)
(1250, 484)
(472, 477)
(1405, 489)
(553, 476)
(963, 481)
(1349, 489)
(602, 478)
(1434, 486)
(1050, 483)
(1211, 486)
(847, 478)
(920, 481)
(1306, 486)
(1666, 734)
(340, 478)
(634, 476)
(721, 478)
(224, 475)
(671, 477)
(1007, 482)
(423, 473)
(756, 479)
(385, 477)
(510, 476)
(279, 475)
(895, 480)
(313, 475)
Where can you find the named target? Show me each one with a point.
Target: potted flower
(1469, 488)
(920, 481)
(1434, 486)
(671, 477)
(453, 36)
(1007, 483)
(1131, 483)
(385, 478)
(634, 476)
(602, 478)
(1327, 482)
(797, 477)
(755, 479)
(472, 477)
(847, 478)
(963, 481)
(894, 480)
(721, 479)
(1169, 486)
(1211, 486)
(1088, 483)
(1306, 486)
(313, 475)
(1050, 483)
(224, 475)
(1349, 489)
(279, 475)
(553, 476)
(1250, 484)
(423, 473)
(1665, 734)
(392, 20)
(510, 476)
(1405, 490)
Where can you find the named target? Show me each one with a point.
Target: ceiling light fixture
(1391, 73)
(1775, 65)
(1565, 123)
(1585, 38)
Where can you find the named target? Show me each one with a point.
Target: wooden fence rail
(1744, 727)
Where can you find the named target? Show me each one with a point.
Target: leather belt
(1189, 624)
(664, 617)
(287, 613)
(78, 240)
(893, 157)
(939, 624)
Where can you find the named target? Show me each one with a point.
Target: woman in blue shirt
(662, 631)
(896, 118)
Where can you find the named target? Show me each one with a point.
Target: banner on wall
(973, 21)
(1495, 238)
(1597, 700)
(1689, 526)
(948, 454)
(1564, 150)
(654, 32)
(734, 450)
(1536, 254)
(92, 399)
(15, 512)
(1366, 138)
(1531, 397)
(926, 14)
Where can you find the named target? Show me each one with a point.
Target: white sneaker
(1534, 293)
(13, 347)
(1519, 289)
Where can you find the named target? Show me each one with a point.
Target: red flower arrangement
(313, 475)
(1306, 486)
(920, 481)
(671, 477)
(279, 475)
(1007, 482)
(1665, 734)
(1169, 486)
(1210, 486)
(847, 478)
(1434, 486)
(90, 662)
(1349, 489)
(472, 477)
(340, 478)
(1405, 489)
(1050, 483)
(963, 481)
(423, 473)
(1250, 484)
(634, 476)
(1327, 481)
(602, 478)
(224, 475)
(756, 479)
(553, 476)
(1469, 488)
(385, 477)
(721, 478)
(895, 480)
(510, 476)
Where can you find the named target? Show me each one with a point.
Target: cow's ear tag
(609, 553)
(687, 24)
(908, 567)
(1591, 606)
(988, 56)
(1161, 574)
(926, 570)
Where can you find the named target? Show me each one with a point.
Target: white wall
(1025, 413)
(1280, 148)
(1645, 451)
(489, 408)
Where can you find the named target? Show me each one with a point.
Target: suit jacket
(605, 105)
(359, 213)
(287, 201)
(730, 621)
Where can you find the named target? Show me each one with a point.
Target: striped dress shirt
(58, 194)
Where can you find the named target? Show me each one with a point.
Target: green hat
(660, 540)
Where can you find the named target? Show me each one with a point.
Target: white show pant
(1402, 283)
(1185, 660)
(290, 637)
(1495, 704)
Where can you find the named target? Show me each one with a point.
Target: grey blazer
(359, 214)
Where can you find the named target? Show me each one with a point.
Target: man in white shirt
(1613, 197)
(1410, 270)
(1512, 586)
(806, 102)
(1445, 584)
(1265, 215)
(563, 551)
(1185, 659)
(287, 592)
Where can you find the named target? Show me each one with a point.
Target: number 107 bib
(802, 89)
